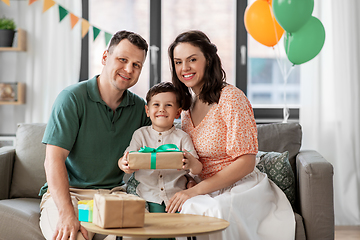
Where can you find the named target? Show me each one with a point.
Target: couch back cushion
(29, 173)
(280, 137)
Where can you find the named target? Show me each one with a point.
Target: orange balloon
(261, 24)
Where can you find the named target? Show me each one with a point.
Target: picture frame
(12, 93)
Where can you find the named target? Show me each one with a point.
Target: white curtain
(52, 56)
(330, 107)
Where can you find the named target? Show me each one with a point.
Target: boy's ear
(178, 112)
(147, 111)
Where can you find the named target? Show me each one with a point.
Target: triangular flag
(62, 13)
(7, 2)
(84, 27)
(107, 38)
(48, 4)
(31, 2)
(96, 32)
(74, 19)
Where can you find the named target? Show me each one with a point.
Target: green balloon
(292, 14)
(305, 44)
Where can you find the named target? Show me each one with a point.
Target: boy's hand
(191, 163)
(124, 164)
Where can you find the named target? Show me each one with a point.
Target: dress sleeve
(237, 113)
(189, 146)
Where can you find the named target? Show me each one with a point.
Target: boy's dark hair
(134, 38)
(163, 87)
(214, 76)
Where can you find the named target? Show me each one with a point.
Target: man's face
(123, 64)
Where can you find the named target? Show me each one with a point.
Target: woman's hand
(124, 164)
(191, 163)
(178, 200)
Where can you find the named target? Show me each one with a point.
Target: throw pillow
(277, 167)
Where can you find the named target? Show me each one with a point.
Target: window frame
(262, 115)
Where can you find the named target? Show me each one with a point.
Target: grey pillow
(28, 173)
(277, 167)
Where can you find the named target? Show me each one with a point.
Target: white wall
(12, 69)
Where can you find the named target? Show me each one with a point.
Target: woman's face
(190, 65)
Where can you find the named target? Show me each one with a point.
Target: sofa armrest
(7, 155)
(315, 192)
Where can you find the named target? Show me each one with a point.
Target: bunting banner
(63, 12)
(48, 4)
(31, 2)
(84, 27)
(7, 2)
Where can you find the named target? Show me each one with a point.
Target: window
(251, 66)
(112, 16)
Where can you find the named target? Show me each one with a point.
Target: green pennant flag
(96, 32)
(62, 13)
(107, 38)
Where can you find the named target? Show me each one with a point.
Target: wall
(12, 69)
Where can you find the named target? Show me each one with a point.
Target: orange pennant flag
(74, 19)
(7, 2)
(48, 4)
(84, 27)
(31, 2)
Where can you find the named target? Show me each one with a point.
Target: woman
(220, 121)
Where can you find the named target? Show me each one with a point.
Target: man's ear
(147, 111)
(104, 57)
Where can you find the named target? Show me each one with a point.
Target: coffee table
(163, 225)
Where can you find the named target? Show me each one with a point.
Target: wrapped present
(85, 208)
(167, 156)
(118, 210)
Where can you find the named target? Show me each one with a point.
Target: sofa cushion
(20, 218)
(277, 167)
(280, 137)
(28, 173)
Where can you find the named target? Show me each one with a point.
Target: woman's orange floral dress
(255, 207)
(227, 131)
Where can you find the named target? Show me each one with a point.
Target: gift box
(118, 210)
(164, 160)
(85, 208)
(166, 156)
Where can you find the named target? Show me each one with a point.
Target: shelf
(21, 42)
(20, 93)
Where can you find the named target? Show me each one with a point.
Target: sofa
(22, 174)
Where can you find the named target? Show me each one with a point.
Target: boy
(158, 186)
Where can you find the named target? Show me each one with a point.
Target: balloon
(261, 24)
(305, 44)
(292, 14)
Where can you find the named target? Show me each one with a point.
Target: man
(90, 126)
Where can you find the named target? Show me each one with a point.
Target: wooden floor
(347, 232)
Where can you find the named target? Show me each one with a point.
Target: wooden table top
(166, 225)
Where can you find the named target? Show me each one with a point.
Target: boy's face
(162, 110)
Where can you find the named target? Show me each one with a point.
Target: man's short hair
(134, 38)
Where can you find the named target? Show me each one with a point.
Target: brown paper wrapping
(164, 160)
(118, 210)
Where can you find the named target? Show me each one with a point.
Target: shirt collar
(167, 132)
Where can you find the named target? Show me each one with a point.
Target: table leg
(191, 238)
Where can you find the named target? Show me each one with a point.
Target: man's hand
(68, 227)
(124, 164)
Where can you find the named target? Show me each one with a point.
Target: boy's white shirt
(161, 184)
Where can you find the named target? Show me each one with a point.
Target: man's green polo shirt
(96, 137)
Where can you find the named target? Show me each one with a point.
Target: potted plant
(7, 32)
